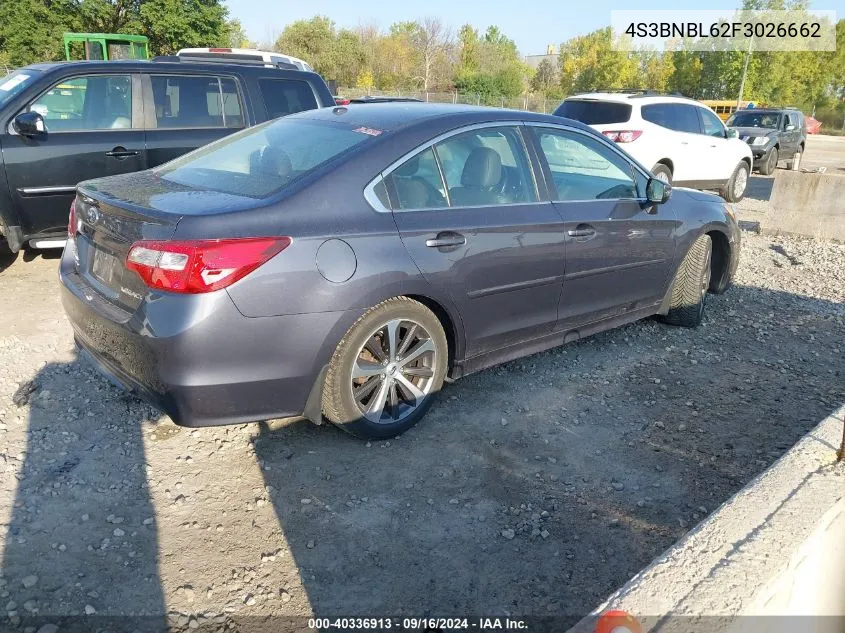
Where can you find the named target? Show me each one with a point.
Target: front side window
(711, 125)
(93, 102)
(199, 101)
(262, 160)
(583, 169)
(286, 96)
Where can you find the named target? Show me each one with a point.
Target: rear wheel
(770, 163)
(662, 172)
(734, 189)
(387, 370)
(689, 288)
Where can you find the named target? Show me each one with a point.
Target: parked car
(680, 140)
(773, 135)
(268, 58)
(341, 263)
(63, 123)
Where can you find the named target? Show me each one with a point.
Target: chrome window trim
(372, 199)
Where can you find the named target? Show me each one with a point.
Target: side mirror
(658, 191)
(29, 124)
(731, 133)
(790, 127)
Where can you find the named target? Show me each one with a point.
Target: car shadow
(546, 507)
(72, 509)
(760, 187)
(7, 257)
(30, 254)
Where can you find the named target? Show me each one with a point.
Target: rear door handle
(122, 152)
(582, 230)
(446, 239)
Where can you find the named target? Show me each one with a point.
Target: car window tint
(183, 101)
(584, 169)
(97, 102)
(594, 112)
(674, 116)
(711, 124)
(286, 96)
(262, 160)
(416, 184)
(486, 167)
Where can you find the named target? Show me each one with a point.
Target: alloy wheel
(740, 182)
(393, 372)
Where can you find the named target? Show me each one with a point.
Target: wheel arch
(720, 263)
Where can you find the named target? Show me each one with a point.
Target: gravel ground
(535, 488)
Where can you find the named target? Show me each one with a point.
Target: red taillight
(341, 101)
(196, 266)
(623, 136)
(72, 226)
(219, 50)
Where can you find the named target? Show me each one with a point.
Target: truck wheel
(662, 172)
(771, 162)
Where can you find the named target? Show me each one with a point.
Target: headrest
(275, 162)
(483, 168)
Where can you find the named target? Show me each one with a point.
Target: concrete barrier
(807, 204)
(776, 548)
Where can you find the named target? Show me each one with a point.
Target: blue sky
(532, 24)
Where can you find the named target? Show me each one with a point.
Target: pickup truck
(62, 123)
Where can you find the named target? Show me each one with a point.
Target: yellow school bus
(724, 108)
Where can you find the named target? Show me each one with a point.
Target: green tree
(545, 77)
(587, 63)
(175, 24)
(311, 40)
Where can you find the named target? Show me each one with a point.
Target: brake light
(219, 50)
(623, 136)
(197, 266)
(72, 225)
(341, 101)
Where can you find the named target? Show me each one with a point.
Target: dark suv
(773, 134)
(62, 123)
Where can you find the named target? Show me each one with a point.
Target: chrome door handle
(446, 239)
(119, 152)
(581, 230)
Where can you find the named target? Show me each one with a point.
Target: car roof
(632, 98)
(392, 116)
(170, 64)
(769, 110)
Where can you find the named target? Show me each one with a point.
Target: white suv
(681, 140)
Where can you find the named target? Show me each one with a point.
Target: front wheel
(770, 163)
(387, 370)
(690, 286)
(734, 189)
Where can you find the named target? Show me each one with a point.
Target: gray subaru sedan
(340, 264)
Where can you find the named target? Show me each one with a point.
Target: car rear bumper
(197, 358)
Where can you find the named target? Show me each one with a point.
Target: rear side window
(417, 184)
(262, 160)
(286, 96)
(594, 112)
(674, 116)
(198, 101)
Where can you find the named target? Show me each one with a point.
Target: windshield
(262, 160)
(594, 112)
(15, 82)
(754, 119)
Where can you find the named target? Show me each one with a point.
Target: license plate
(105, 267)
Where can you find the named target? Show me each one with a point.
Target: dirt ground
(531, 489)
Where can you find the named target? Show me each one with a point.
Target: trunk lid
(108, 224)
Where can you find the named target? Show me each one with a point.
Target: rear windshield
(13, 83)
(594, 112)
(262, 160)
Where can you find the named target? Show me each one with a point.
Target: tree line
(428, 55)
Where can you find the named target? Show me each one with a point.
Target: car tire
(795, 163)
(771, 162)
(690, 285)
(369, 389)
(661, 171)
(734, 190)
